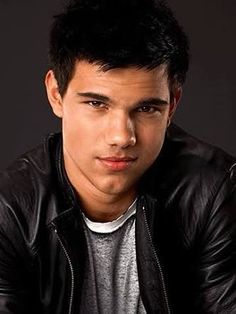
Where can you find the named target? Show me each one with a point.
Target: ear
(176, 94)
(53, 94)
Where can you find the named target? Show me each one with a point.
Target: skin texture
(113, 126)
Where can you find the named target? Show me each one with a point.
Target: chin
(116, 188)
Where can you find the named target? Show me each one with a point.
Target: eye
(96, 104)
(148, 109)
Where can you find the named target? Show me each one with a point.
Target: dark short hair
(117, 34)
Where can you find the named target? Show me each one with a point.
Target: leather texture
(185, 231)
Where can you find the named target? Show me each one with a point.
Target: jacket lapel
(151, 277)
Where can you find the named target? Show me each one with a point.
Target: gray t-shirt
(111, 279)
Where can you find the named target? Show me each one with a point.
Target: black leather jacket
(185, 232)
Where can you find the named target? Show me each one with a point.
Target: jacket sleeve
(217, 258)
(15, 286)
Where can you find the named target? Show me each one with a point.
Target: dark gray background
(207, 108)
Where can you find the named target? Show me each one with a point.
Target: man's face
(113, 124)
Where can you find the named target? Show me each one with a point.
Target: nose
(121, 130)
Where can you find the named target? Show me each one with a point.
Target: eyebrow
(152, 101)
(144, 102)
(96, 96)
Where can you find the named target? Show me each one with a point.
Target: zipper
(158, 264)
(71, 270)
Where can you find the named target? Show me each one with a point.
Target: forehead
(118, 81)
(86, 70)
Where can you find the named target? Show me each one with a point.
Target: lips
(117, 163)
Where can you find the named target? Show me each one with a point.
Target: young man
(124, 212)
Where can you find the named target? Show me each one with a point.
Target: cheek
(75, 123)
(152, 137)
(151, 142)
(81, 135)
(76, 133)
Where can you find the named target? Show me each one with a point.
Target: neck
(110, 208)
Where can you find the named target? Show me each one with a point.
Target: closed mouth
(117, 163)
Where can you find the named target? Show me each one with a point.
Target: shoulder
(203, 170)
(190, 180)
(24, 186)
(188, 161)
(28, 170)
(196, 152)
